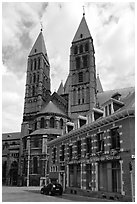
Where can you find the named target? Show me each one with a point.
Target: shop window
(115, 139)
(100, 142)
(88, 176)
(70, 152)
(52, 122)
(80, 76)
(78, 176)
(116, 186)
(79, 149)
(77, 62)
(42, 123)
(35, 165)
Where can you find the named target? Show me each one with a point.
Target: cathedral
(80, 135)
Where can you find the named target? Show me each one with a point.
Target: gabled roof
(39, 47)
(106, 95)
(52, 108)
(11, 136)
(83, 31)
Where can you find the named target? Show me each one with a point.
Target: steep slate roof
(106, 95)
(52, 108)
(66, 86)
(11, 136)
(39, 47)
(82, 29)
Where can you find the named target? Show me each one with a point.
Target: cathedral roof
(83, 31)
(52, 108)
(44, 131)
(39, 47)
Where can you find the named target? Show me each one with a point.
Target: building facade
(81, 135)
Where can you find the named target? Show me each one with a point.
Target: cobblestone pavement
(32, 194)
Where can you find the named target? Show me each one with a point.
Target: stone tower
(82, 73)
(38, 80)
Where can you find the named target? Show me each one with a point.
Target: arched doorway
(13, 173)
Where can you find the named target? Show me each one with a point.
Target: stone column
(112, 109)
(121, 176)
(96, 176)
(28, 166)
(67, 176)
(44, 152)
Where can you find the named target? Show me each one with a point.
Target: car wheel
(41, 192)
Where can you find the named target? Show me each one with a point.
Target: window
(79, 96)
(81, 49)
(79, 149)
(31, 64)
(75, 50)
(62, 153)
(38, 63)
(35, 125)
(115, 139)
(38, 78)
(70, 152)
(80, 76)
(77, 62)
(35, 64)
(30, 78)
(74, 97)
(61, 123)
(109, 108)
(86, 47)
(35, 165)
(100, 142)
(42, 123)
(36, 142)
(52, 122)
(34, 78)
(106, 111)
(85, 61)
(33, 91)
(88, 145)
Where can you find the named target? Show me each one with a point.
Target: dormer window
(96, 114)
(82, 120)
(116, 96)
(69, 126)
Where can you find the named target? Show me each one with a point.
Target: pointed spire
(83, 10)
(39, 47)
(99, 86)
(60, 89)
(83, 30)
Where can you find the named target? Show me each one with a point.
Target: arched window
(38, 77)
(35, 64)
(77, 62)
(52, 122)
(42, 123)
(86, 47)
(61, 123)
(75, 50)
(31, 64)
(30, 79)
(35, 165)
(38, 63)
(33, 90)
(80, 77)
(81, 49)
(34, 78)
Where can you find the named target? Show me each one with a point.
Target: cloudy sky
(112, 29)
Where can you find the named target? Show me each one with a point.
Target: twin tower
(79, 94)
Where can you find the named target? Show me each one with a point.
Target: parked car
(52, 189)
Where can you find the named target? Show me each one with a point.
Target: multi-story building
(81, 135)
